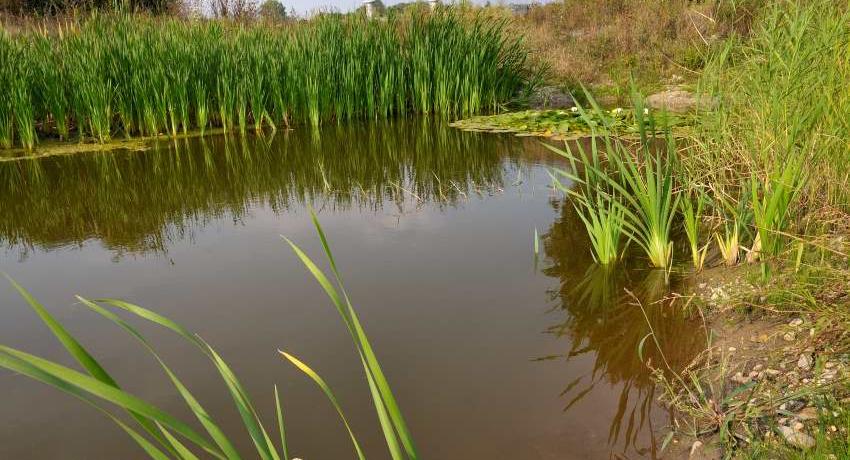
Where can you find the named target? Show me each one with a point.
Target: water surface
(492, 352)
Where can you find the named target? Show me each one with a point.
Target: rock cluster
(678, 100)
(551, 97)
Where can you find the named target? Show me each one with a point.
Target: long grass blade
(71, 379)
(218, 436)
(81, 355)
(280, 424)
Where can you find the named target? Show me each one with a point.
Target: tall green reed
(148, 76)
(784, 93)
(639, 182)
(772, 203)
(161, 435)
(647, 188)
(17, 78)
(692, 214)
(599, 210)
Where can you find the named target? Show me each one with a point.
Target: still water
(493, 352)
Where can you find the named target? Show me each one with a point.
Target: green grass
(783, 93)
(772, 203)
(599, 210)
(134, 75)
(161, 435)
(692, 217)
(16, 108)
(772, 162)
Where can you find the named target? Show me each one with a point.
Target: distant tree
(237, 9)
(398, 7)
(60, 6)
(272, 10)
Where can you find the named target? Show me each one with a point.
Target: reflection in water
(442, 289)
(138, 201)
(605, 321)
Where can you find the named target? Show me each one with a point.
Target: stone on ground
(679, 101)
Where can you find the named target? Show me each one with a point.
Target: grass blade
(26, 369)
(280, 424)
(246, 410)
(81, 355)
(181, 449)
(371, 360)
(201, 414)
(326, 389)
(349, 316)
(73, 379)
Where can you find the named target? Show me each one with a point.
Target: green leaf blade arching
(81, 355)
(218, 436)
(364, 348)
(80, 382)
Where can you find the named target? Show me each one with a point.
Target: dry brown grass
(603, 42)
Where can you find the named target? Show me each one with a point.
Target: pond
(492, 351)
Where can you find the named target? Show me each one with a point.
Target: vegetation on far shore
(124, 75)
(572, 123)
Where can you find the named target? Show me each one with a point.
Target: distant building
(374, 8)
(520, 9)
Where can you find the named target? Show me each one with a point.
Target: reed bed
(110, 75)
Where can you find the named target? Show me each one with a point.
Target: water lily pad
(562, 124)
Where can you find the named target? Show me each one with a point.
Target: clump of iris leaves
(571, 123)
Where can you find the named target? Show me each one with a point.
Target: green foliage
(771, 203)
(16, 105)
(784, 93)
(48, 7)
(636, 187)
(272, 10)
(144, 76)
(600, 212)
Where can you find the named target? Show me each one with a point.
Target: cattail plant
(110, 74)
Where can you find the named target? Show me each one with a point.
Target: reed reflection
(138, 202)
(607, 314)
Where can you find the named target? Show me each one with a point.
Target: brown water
(492, 353)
